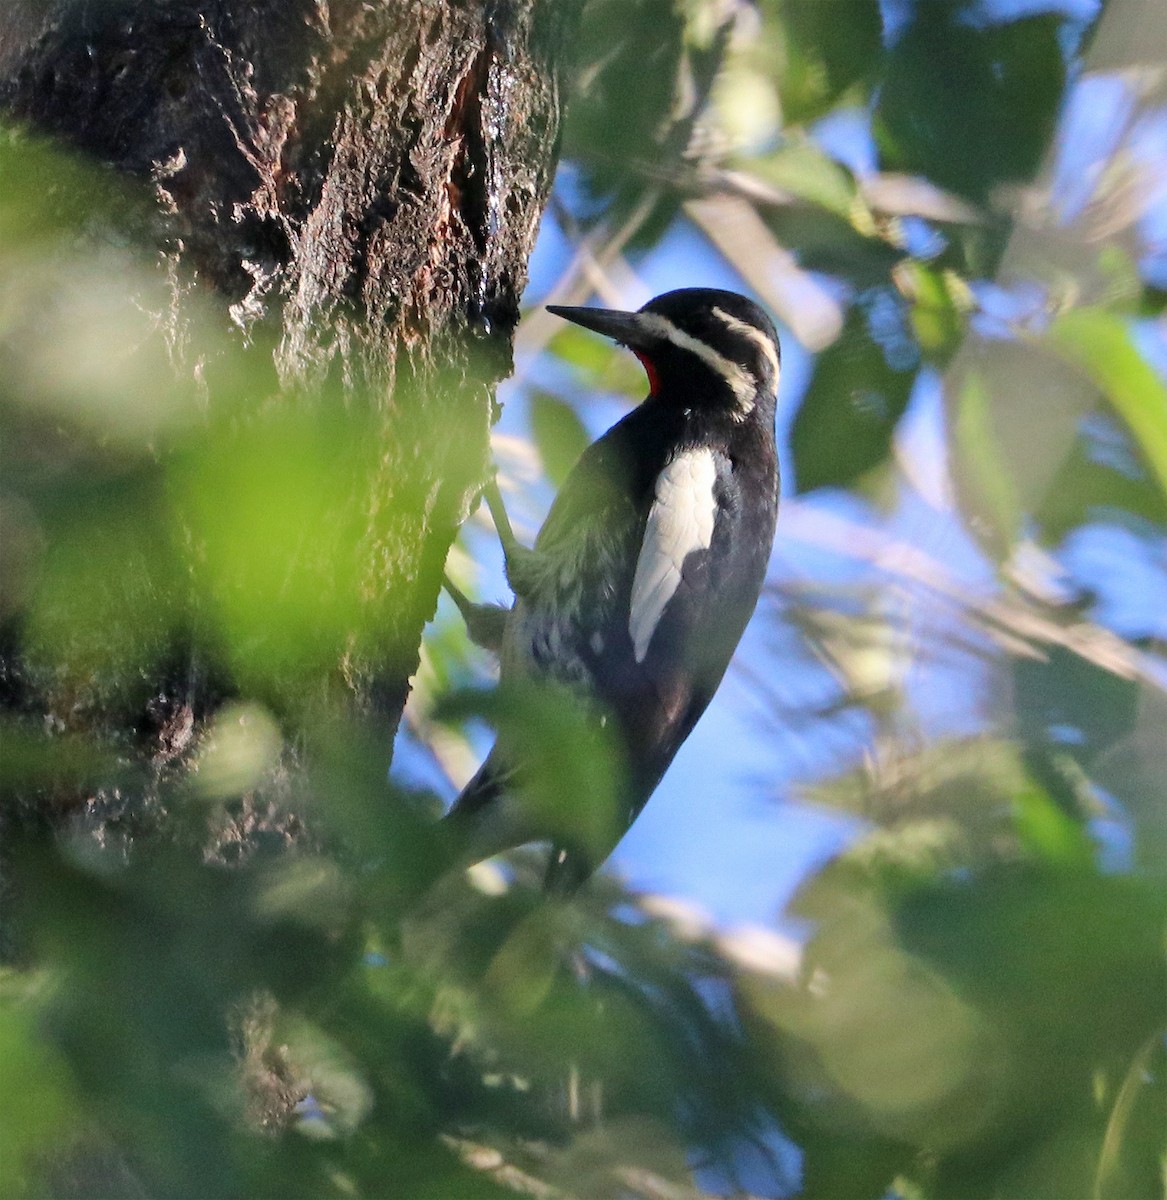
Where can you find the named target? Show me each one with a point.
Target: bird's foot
(521, 563)
(485, 623)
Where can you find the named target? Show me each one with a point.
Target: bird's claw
(519, 561)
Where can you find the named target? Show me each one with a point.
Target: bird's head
(702, 348)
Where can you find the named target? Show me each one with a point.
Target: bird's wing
(696, 584)
(680, 523)
(599, 486)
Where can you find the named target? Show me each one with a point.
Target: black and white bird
(645, 573)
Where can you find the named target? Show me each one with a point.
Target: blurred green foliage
(233, 963)
(855, 399)
(990, 89)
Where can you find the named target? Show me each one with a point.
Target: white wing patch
(680, 522)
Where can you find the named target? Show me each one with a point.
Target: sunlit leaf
(803, 170)
(747, 105)
(601, 365)
(1048, 832)
(939, 308)
(1100, 345)
(572, 775)
(242, 745)
(48, 194)
(38, 1102)
(826, 52)
(277, 514)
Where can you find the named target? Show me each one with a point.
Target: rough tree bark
(367, 178)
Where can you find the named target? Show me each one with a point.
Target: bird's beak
(627, 328)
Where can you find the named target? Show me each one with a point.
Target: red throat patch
(649, 370)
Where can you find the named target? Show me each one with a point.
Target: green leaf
(1049, 834)
(970, 106)
(48, 194)
(108, 598)
(629, 60)
(1085, 487)
(1100, 345)
(846, 420)
(1063, 690)
(37, 1107)
(828, 50)
(559, 434)
(1134, 1147)
(276, 508)
(573, 767)
(994, 493)
(833, 244)
(601, 365)
(802, 169)
(939, 305)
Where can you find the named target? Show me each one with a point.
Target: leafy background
(896, 924)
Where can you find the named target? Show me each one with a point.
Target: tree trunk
(364, 179)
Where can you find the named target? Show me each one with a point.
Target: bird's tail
(487, 819)
(485, 787)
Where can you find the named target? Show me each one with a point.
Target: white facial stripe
(680, 522)
(740, 381)
(748, 331)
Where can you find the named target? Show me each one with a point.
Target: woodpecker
(646, 571)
